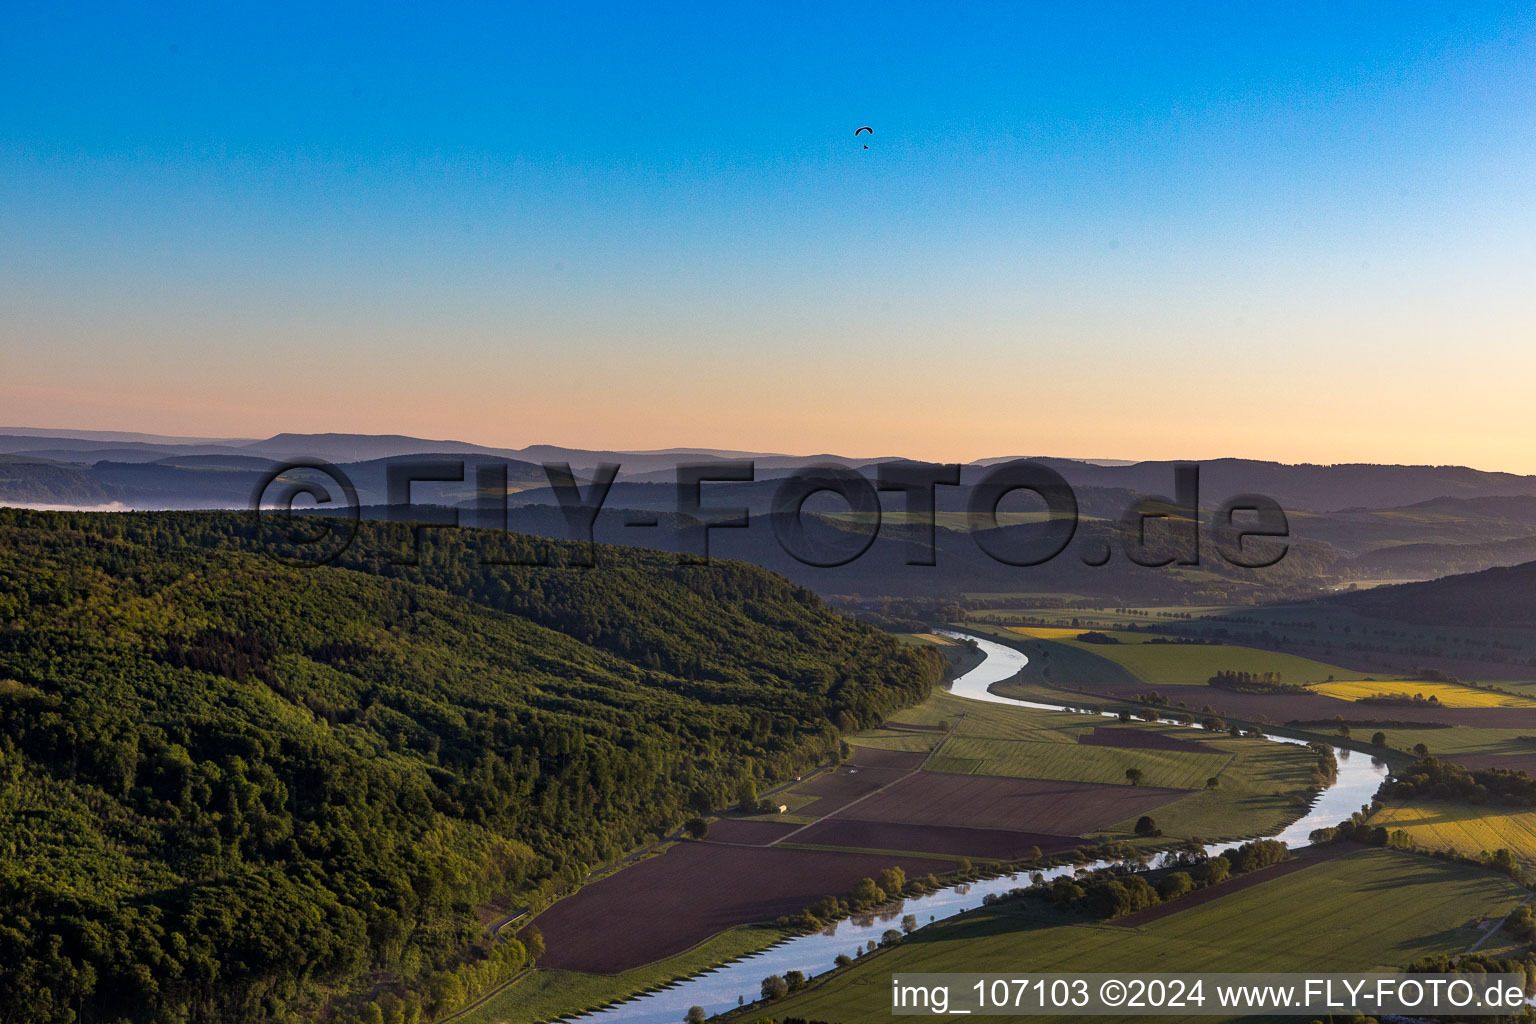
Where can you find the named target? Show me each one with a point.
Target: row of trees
(1434, 779)
(888, 885)
(1112, 895)
(1253, 682)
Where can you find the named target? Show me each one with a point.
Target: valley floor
(1365, 910)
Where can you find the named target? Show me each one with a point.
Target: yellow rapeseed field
(1052, 632)
(1449, 695)
(1464, 828)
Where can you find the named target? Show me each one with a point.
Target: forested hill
(231, 789)
(1500, 597)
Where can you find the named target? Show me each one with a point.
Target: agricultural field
(831, 790)
(796, 802)
(1375, 646)
(1367, 910)
(888, 757)
(894, 739)
(1066, 671)
(1027, 759)
(1175, 664)
(997, 736)
(1073, 632)
(694, 891)
(756, 831)
(1522, 686)
(1463, 828)
(994, 607)
(1472, 746)
(974, 718)
(1054, 663)
(1026, 805)
(985, 597)
(1131, 737)
(1449, 695)
(921, 639)
(1261, 786)
(946, 840)
(884, 807)
(1265, 788)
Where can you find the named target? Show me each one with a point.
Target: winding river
(719, 989)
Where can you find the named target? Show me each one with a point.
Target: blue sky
(638, 226)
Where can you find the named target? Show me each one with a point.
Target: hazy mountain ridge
(1296, 486)
(1385, 521)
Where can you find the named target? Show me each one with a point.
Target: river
(719, 989)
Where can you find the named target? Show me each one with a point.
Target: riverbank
(719, 990)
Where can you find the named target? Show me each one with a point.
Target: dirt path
(1491, 931)
(874, 792)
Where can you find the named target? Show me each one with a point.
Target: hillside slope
(231, 790)
(1502, 597)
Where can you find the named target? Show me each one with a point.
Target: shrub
(1175, 885)
(1214, 871)
(892, 881)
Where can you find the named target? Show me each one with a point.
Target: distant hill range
(1356, 522)
(1315, 488)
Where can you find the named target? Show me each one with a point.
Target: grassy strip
(544, 995)
(1368, 910)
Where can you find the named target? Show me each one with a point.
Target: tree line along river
(720, 988)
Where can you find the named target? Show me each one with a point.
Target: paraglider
(862, 130)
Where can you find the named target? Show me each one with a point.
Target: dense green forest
(234, 790)
(41, 481)
(1494, 597)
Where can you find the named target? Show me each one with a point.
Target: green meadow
(1190, 664)
(1261, 787)
(1374, 909)
(1029, 759)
